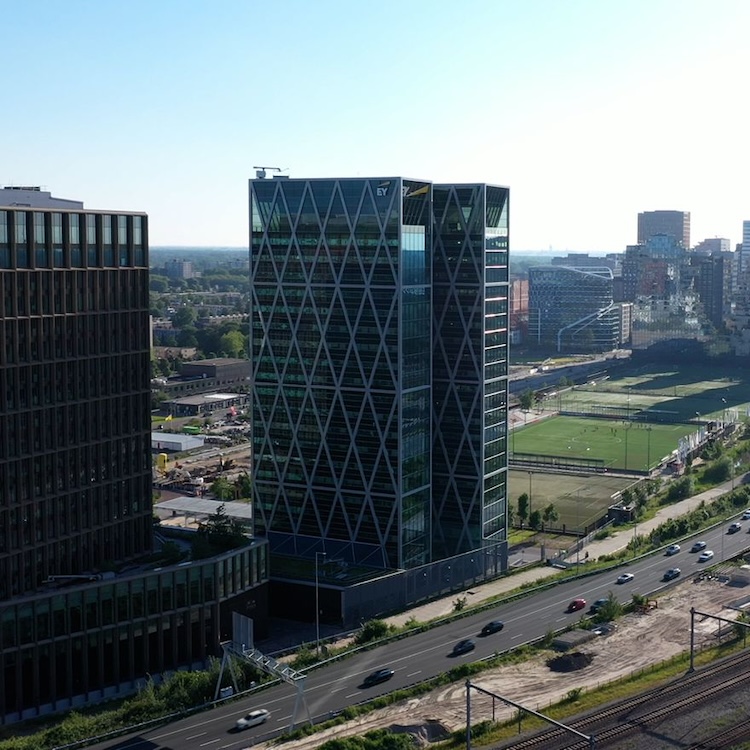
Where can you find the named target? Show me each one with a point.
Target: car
(597, 605)
(671, 574)
(734, 527)
(576, 604)
(698, 546)
(378, 676)
(492, 627)
(463, 647)
(253, 719)
(746, 515)
(625, 578)
(706, 555)
(673, 549)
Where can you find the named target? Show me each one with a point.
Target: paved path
(613, 543)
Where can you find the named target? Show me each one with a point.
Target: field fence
(624, 413)
(539, 460)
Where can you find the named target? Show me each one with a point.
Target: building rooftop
(34, 197)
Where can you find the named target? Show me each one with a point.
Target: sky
(589, 110)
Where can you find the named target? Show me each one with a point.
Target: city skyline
(591, 112)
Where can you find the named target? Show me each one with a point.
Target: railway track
(633, 715)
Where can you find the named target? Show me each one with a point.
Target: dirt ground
(638, 641)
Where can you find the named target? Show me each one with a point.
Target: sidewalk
(612, 544)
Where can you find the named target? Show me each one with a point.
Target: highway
(424, 655)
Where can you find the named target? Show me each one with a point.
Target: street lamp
(317, 606)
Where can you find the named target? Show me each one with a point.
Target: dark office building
(676, 224)
(75, 470)
(379, 351)
(572, 309)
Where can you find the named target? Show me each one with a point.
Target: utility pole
(317, 606)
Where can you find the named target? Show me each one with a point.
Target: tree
(184, 317)
(523, 508)
(186, 338)
(535, 520)
(233, 344)
(222, 489)
(244, 485)
(610, 610)
(550, 514)
(527, 399)
(219, 532)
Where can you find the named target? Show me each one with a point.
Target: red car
(577, 604)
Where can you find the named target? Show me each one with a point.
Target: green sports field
(618, 444)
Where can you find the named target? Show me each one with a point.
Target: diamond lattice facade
(379, 391)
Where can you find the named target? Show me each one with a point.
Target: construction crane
(260, 172)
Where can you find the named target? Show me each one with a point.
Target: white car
(706, 555)
(746, 515)
(625, 578)
(253, 719)
(673, 549)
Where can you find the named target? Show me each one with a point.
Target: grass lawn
(684, 392)
(632, 446)
(580, 500)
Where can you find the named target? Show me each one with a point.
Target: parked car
(253, 719)
(492, 627)
(576, 604)
(463, 647)
(706, 555)
(671, 574)
(698, 546)
(625, 578)
(734, 527)
(597, 605)
(673, 549)
(380, 675)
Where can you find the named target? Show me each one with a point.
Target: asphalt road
(419, 657)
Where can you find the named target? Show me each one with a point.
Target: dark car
(576, 604)
(463, 647)
(381, 675)
(492, 627)
(671, 574)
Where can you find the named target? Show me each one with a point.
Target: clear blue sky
(590, 110)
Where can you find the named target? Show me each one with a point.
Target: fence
(556, 462)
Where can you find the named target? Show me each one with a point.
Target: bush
(373, 630)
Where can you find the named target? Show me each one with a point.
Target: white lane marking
(351, 695)
(411, 674)
(218, 739)
(516, 637)
(193, 736)
(559, 619)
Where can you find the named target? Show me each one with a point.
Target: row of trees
(537, 518)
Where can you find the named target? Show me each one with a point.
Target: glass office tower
(379, 363)
(470, 366)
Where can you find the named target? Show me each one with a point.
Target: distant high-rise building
(379, 351)
(179, 269)
(713, 245)
(80, 620)
(676, 224)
